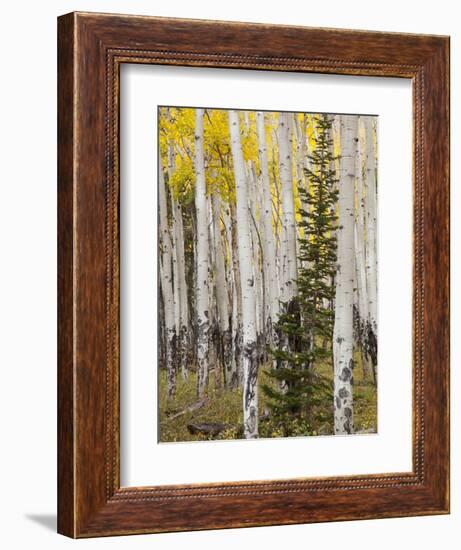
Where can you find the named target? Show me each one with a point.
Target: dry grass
(225, 406)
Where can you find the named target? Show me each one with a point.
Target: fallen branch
(191, 408)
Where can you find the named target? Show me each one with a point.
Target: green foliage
(225, 406)
(285, 426)
(307, 320)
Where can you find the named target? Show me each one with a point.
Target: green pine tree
(301, 398)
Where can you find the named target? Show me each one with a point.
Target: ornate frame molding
(91, 49)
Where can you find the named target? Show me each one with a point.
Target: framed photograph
(253, 275)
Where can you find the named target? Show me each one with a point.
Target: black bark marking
(251, 422)
(338, 402)
(346, 375)
(250, 356)
(249, 353)
(343, 393)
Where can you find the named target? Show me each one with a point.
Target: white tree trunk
(174, 259)
(361, 275)
(308, 149)
(277, 219)
(370, 248)
(202, 270)
(236, 304)
(233, 279)
(183, 293)
(370, 207)
(270, 268)
(250, 366)
(166, 284)
(362, 319)
(289, 289)
(181, 299)
(214, 331)
(222, 295)
(179, 274)
(360, 238)
(256, 246)
(300, 150)
(299, 130)
(345, 278)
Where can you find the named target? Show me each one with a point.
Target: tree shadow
(49, 521)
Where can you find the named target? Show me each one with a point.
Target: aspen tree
(249, 356)
(345, 278)
(166, 282)
(202, 304)
(269, 265)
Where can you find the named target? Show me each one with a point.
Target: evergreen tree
(307, 320)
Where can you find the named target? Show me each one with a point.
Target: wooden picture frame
(92, 48)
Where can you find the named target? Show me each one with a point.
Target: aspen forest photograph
(267, 274)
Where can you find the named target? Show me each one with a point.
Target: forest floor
(225, 407)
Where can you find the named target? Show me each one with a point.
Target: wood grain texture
(91, 49)
(66, 471)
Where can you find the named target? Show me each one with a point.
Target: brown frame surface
(91, 48)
